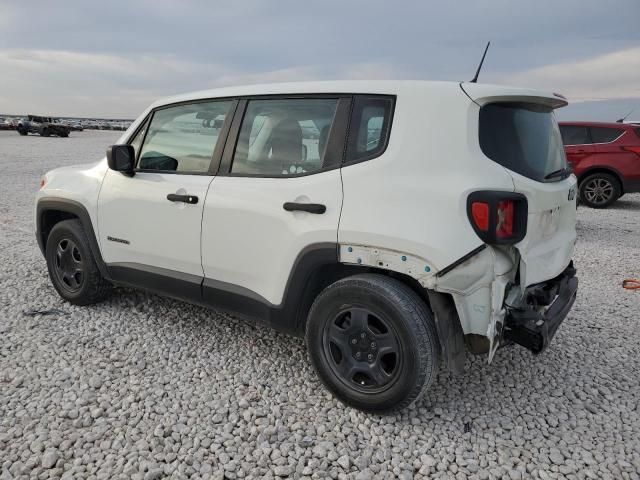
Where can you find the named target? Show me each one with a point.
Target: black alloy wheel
(69, 265)
(363, 350)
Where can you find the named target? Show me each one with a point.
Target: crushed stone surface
(143, 387)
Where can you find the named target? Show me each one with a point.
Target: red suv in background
(605, 157)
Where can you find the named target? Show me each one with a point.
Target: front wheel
(599, 190)
(72, 268)
(373, 342)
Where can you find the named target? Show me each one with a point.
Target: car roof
(380, 87)
(597, 124)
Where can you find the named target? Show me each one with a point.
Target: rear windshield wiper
(558, 173)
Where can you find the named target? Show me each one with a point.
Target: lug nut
(357, 354)
(370, 357)
(362, 335)
(354, 341)
(373, 345)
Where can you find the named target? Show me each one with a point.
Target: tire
(44, 132)
(355, 319)
(72, 268)
(22, 131)
(599, 190)
(64, 134)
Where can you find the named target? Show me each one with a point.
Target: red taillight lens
(43, 182)
(633, 148)
(504, 228)
(498, 217)
(480, 215)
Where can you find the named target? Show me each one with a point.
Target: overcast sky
(113, 58)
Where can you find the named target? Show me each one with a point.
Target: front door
(150, 223)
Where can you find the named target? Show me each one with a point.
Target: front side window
(283, 137)
(524, 138)
(574, 135)
(369, 128)
(182, 138)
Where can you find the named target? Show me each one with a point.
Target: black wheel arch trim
(78, 210)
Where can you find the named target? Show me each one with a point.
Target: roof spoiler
(483, 94)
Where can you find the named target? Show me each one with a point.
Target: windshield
(524, 138)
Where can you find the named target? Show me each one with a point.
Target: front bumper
(545, 305)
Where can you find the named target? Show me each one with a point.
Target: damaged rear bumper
(544, 306)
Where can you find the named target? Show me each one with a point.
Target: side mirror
(121, 158)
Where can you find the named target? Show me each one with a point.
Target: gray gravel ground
(145, 387)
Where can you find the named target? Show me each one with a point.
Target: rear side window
(284, 137)
(369, 127)
(605, 134)
(574, 135)
(523, 138)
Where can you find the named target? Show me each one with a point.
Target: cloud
(611, 76)
(98, 84)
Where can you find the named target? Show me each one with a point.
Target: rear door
(278, 194)
(609, 142)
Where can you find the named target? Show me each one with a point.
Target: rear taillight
(633, 148)
(498, 218)
(480, 214)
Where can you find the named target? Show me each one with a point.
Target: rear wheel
(72, 268)
(599, 190)
(45, 132)
(22, 130)
(373, 342)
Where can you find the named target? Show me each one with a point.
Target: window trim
(387, 130)
(588, 129)
(336, 142)
(221, 160)
(216, 156)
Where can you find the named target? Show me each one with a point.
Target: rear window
(523, 138)
(605, 134)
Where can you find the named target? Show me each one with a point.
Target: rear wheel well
(608, 171)
(441, 305)
(325, 275)
(48, 219)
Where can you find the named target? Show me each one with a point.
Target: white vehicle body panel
(160, 233)
(249, 240)
(78, 183)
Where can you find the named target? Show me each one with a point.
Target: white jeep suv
(394, 225)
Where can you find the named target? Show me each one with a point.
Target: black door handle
(174, 197)
(316, 208)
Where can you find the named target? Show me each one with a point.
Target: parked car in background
(44, 126)
(338, 217)
(605, 157)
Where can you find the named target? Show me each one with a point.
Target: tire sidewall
(70, 230)
(411, 375)
(611, 179)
